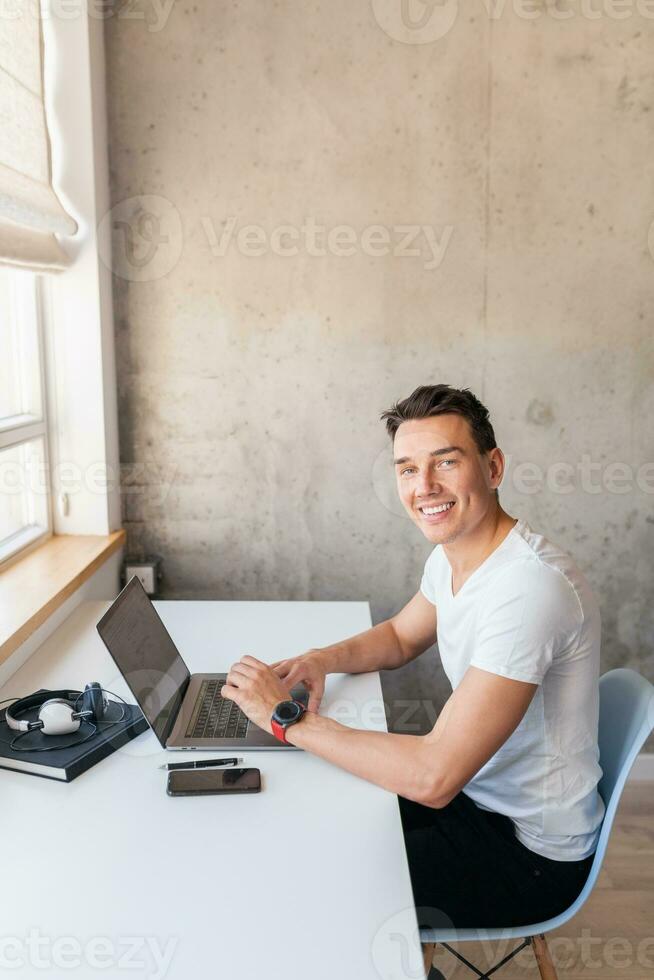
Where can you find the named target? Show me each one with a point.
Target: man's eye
(443, 461)
(405, 472)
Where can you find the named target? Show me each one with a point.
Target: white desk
(107, 875)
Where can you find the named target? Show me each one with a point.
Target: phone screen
(189, 782)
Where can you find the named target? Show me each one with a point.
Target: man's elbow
(435, 792)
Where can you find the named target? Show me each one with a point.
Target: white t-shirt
(528, 613)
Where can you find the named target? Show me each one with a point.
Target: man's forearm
(403, 764)
(375, 649)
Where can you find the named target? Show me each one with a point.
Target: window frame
(20, 429)
(80, 412)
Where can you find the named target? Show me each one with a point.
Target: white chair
(626, 719)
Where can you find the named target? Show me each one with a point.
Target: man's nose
(427, 483)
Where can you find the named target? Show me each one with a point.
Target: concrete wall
(250, 384)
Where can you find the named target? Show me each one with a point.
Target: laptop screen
(146, 656)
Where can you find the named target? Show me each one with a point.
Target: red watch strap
(279, 731)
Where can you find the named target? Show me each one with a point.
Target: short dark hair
(429, 400)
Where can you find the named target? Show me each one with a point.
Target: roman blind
(30, 211)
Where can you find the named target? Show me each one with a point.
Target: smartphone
(205, 782)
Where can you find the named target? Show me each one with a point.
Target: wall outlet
(146, 572)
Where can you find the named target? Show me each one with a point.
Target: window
(24, 479)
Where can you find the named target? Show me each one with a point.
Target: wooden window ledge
(33, 586)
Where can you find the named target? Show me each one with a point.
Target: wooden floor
(612, 937)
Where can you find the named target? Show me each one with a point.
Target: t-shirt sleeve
(531, 613)
(427, 583)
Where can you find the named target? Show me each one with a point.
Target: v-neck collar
(484, 563)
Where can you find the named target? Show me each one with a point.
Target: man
(499, 801)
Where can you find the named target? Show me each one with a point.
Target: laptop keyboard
(215, 716)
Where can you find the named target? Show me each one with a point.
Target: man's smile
(435, 513)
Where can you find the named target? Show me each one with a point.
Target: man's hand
(307, 669)
(256, 689)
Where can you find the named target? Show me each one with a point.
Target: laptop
(184, 710)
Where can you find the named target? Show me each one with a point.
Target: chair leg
(543, 958)
(428, 956)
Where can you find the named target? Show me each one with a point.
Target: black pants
(469, 869)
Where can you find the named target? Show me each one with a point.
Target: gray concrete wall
(250, 384)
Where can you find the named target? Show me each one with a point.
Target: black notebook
(67, 763)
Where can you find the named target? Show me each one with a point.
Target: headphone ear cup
(93, 700)
(56, 716)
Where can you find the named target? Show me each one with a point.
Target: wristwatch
(286, 713)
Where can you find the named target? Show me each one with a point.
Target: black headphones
(61, 713)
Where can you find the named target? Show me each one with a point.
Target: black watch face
(287, 711)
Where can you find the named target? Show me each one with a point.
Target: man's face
(445, 484)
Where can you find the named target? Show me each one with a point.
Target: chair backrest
(626, 719)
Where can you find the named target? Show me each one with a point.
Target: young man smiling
(499, 802)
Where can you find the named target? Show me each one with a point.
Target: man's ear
(497, 465)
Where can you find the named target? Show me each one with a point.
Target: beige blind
(30, 212)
